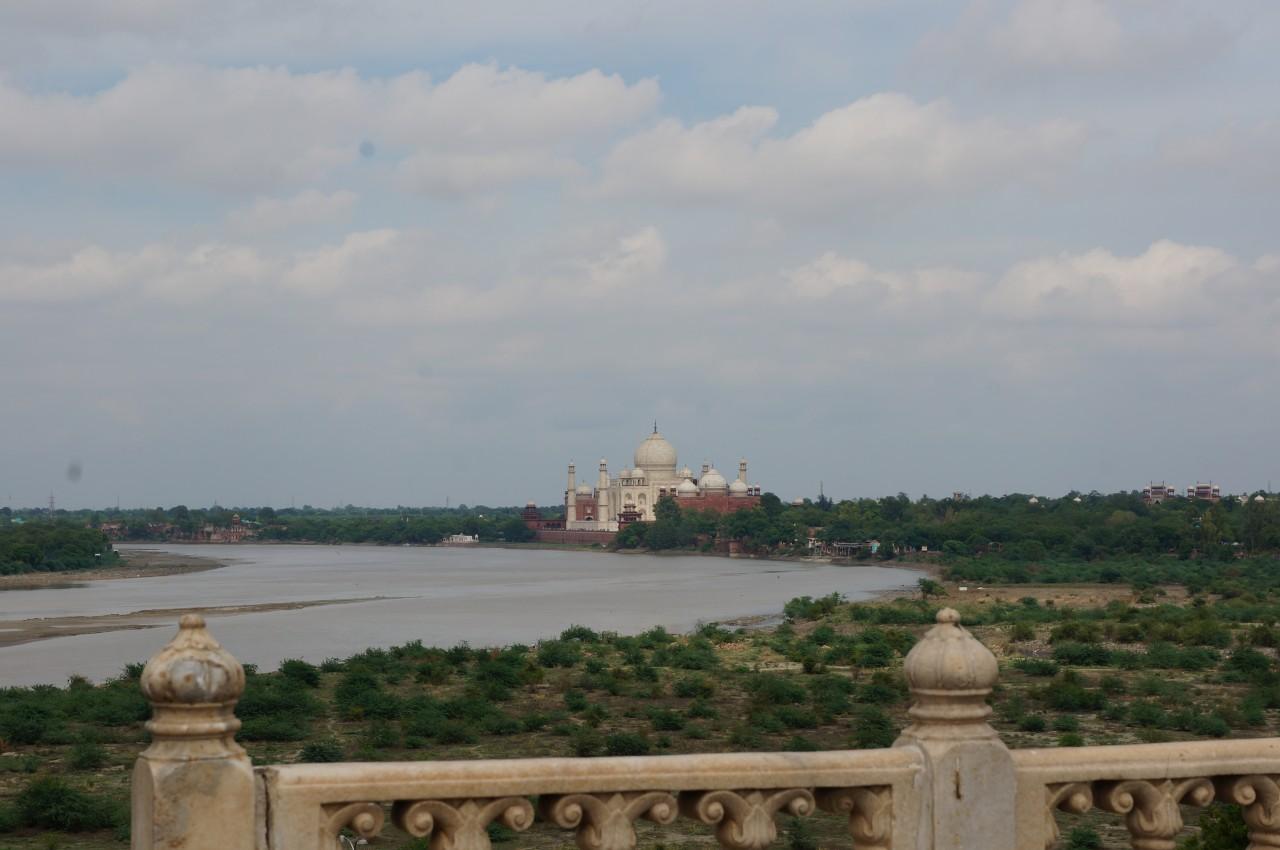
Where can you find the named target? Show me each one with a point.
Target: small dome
(193, 668)
(530, 504)
(625, 473)
(1077, 500)
(584, 490)
(685, 472)
(951, 661)
(687, 488)
(637, 473)
(738, 487)
(713, 480)
(1033, 501)
(654, 452)
(1259, 498)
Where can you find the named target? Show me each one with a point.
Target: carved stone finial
(950, 674)
(193, 685)
(193, 668)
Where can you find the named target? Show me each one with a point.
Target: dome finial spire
(655, 426)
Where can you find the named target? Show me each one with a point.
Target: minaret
(706, 467)
(571, 497)
(602, 493)
(742, 470)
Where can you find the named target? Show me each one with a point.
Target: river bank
(135, 563)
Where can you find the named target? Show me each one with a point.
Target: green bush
(626, 744)
(326, 750)
(693, 687)
(559, 653)
(872, 728)
(301, 672)
(51, 803)
(1032, 723)
(86, 754)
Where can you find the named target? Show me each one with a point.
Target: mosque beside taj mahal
(599, 510)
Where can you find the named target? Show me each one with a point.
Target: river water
(443, 596)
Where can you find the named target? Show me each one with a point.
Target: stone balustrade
(948, 783)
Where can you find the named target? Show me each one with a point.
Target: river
(441, 596)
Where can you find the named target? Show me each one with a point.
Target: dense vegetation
(1010, 528)
(829, 677)
(51, 547)
(996, 530)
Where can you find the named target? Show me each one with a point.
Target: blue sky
(393, 252)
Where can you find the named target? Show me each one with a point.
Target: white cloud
(831, 274)
(1167, 283)
(1018, 40)
(270, 215)
(160, 270)
(354, 261)
(882, 149)
(253, 128)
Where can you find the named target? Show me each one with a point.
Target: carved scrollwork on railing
(1075, 797)
(1150, 808)
(606, 821)
(461, 824)
(364, 819)
(1259, 798)
(870, 812)
(744, 820)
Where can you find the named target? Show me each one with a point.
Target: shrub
(693, 687)
(586, 742)
(1066, 723)
(626, 744)
(273, 729)
(1036, 666)
(800, 835)
(301, 672)
(665, 720)
(323, 751)
(456, 732)
(800, 744)
(1070, 739)
(575, 700)
(86, 754)
(51, 803)
(872, 728)
(1083, 838)
(702, 710)
(559, 653)
(580, 633)
(795, 717)
(808, 608)
(1032, 723)
(770, 689)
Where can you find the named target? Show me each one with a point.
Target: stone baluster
(969, 798)
(1151, 808)
(1259, 798)
(193, 787)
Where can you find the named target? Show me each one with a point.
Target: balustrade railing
(948, 783)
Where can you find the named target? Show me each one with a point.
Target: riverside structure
(595, 513)
(948, 783)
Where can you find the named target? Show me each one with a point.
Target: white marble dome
(687, 488)
(654, 452)
(738, 487)
(584, 490)
(713, 480)
(637, 473)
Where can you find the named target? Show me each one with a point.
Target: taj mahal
(631, 495)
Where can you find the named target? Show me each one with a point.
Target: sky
(394, 252)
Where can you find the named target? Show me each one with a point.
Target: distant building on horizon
(632, 495)
(1154, 494)
(1205, 492)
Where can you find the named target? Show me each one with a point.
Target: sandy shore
(14, 632)
(135, 563)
